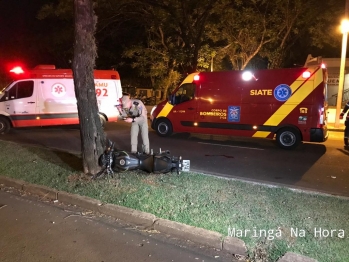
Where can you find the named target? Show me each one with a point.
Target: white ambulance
(45, 96)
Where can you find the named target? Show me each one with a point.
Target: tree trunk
(91, 132)
(171, 80)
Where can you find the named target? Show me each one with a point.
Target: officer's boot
(346, 143)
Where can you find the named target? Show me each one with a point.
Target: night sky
(18, 31)
(21, 34)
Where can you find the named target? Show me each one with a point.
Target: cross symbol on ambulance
(58, 90)
(283, 92)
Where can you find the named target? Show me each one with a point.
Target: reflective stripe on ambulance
(301, 89)
(168, 107)
(166, 110)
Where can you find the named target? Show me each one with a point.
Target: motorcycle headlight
(152, 110)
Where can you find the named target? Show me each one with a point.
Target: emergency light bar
(196, 78)
(17, 70)
(306, 74)
(43, 67)
(247, 76)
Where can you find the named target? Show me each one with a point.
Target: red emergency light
(17, 70)
(248, 76)
(196, 78)
(306, 74)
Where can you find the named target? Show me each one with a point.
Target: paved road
(316, 166)
(33, 230)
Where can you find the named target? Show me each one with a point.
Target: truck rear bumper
(318, 134)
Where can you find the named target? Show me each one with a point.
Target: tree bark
(85, 51)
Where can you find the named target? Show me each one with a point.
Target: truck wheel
(4, 125)
(163, 127)
(288, 138)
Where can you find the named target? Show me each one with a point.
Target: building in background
(333, 69)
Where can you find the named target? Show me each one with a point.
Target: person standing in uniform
(346, 123)
(137, 116)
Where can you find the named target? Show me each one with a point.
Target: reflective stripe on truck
(301, 89)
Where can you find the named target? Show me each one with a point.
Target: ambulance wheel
(288, 138)
(4, 125)
(103, 120)
(163, 127)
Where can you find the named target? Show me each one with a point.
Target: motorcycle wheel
(103, 120)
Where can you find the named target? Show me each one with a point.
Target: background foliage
(162, 41)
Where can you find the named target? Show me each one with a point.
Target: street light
(345, 30)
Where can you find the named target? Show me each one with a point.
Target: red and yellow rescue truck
(289, 104)
(45, 96)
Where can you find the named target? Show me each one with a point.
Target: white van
(45, 96)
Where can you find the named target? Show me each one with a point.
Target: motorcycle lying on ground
(119, 161)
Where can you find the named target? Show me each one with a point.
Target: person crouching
(138, 117)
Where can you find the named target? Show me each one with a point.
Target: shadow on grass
(62, 159)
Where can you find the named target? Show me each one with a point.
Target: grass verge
(271, 220)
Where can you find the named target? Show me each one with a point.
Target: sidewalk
(145, 221)
(331, 119)
(331, 127)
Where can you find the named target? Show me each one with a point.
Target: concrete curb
(135, 217)
(234, 244)
(336, 129)
(80, 201)
(194, 234)
(10, 182)
(41, 191)
(293, 257)
(146, 220)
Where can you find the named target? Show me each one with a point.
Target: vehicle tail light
(321, 118)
